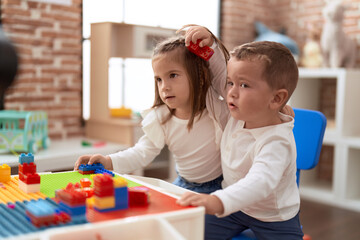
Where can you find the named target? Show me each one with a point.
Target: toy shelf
(342, 135)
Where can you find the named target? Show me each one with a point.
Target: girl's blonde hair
(198, 73)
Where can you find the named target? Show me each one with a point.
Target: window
(131, 80)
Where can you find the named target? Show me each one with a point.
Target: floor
(323, 222)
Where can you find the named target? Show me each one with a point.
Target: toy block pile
(109, 194)
(91, 168)
(29, 180)
(42, 213)
(72, 200)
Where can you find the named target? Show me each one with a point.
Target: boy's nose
(232, 92)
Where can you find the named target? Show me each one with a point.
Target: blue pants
(230, 226)
(206, 187)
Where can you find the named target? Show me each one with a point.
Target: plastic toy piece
(89, 168)
(204, 52)
(121, 112)
(71, 195)
(85, 182)
(139, 196)
(29, 180)
(23, 158)
(5, 173)
(109, 194)
(42, 213)
(72, 200)
(104, 171)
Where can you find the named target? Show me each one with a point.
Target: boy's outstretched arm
(212, 204)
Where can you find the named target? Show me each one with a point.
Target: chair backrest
(309, 129)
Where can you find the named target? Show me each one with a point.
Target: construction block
(120, 182)
(121, 198)
(103, 185)
(30, 178)
(104, 202)
(71, 195)
(89, 168)
(139, 196)
(104, 171)
(26, 168)
(40, 208)
(72, 210)
(28, 188)
(85, 182)
(23, 158)
(42, 213)
(5, 173)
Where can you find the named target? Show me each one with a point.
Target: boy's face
(173, 84)
(249, 95)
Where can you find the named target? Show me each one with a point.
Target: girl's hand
(194, 33)
(91, 159)
(287, 110)
(212, 204)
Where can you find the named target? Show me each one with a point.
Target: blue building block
(40, 208)
(90, 167)
(121, 195)
(72, 211)
(104, 171)
(23, 158)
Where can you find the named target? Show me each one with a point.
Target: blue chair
(309, 129)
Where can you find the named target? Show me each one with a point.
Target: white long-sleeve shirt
(259, 169)
(196, 153)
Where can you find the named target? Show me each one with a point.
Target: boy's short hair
(279, 70)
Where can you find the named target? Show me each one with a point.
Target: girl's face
(173, 83)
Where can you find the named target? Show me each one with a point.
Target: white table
(62, 154)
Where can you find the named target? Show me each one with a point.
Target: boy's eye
(243, 85)
(230, 83)
(173, 75)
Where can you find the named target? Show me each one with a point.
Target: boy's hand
(212, 204)
(91, 159)
(194, 33)
(287, 110)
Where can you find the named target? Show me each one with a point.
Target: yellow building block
(120, 182)
(5, 173)
(104, 202)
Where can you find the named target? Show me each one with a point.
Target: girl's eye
(158, 79)
(173, 75)
(243, 85)
(230, 83)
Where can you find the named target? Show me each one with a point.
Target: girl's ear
(279, 99)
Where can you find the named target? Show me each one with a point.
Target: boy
(258, 152)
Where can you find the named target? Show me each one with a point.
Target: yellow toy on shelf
(121, 112)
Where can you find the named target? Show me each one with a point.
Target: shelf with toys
(342, 135)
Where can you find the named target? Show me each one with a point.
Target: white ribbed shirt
(196, 152)
(259, 168)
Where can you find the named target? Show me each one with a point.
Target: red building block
(103, 185)
(203, 52)
(139, 196)
(26, 168)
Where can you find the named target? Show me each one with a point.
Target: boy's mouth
(231, 105)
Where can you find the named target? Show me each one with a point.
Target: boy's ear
(279, 99)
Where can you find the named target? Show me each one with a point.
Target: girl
(188, 115)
